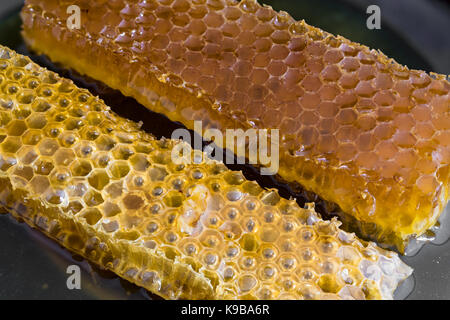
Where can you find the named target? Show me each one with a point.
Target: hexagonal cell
(11, 87)
(105, 143)
(98, 179)
(5, 117)
(139, 162)
(270, 197)
(93, 198)
(39, 184)
(73, 123)
(27, 154)
(327, 143)
(178, 183)
(119, 169)
(231, 230)
(249, 223)
(15, 73)
(386, 150)
(89, 133)
(328, 283)
(328, 265)
(92, 216)
(122, 153)
(269, 233)
(37, 121)
(249, 242)
(288, 225)
(78, 110)
(25, 172)
(32, 137)
(404, 139)
(174, 199)
(307, 118)
(74, 207)
(157, 173)
(160, 41)
(346, 116)
(110, 209)
(247, 283)
(48, 147)
(210, 259)
(347, 133)
(64, 157)
(85, 149)
(268, 271)
(306, 273)
(365, 89)
(331, 73)
(41, 105)
(26, 97)
(16, 128)
(133, 201)
(43, 166)
(81, 168)
(250, 205)
(56, 197)
(68, 139)
(287, 283)
(306, 234)
(110, 226)
(77, 189)
(53, 130)
(311, 83)
(115, 190)
(60, 177)
(7, 162)
(308, 255)
(248, 261)
(427, 183)
(11, 144)
(350, 275)
(101, 159)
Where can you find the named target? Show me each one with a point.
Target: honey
(108, 191)
(356, 128)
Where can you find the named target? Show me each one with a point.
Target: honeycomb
(356, 128)
(110, 192)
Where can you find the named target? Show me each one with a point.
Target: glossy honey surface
(106, 190)
(356, 128)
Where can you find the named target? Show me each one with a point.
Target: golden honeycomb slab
(110, 192)
(357, 128)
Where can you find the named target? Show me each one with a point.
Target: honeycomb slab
(356, 128)
(110, 192)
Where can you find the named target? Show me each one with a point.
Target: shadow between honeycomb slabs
(160, 126)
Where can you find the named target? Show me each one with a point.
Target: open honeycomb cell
(356, 128)
(191, 231)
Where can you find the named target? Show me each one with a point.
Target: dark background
(414, 32)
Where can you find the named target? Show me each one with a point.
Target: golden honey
(110, 192)
(356, 128)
